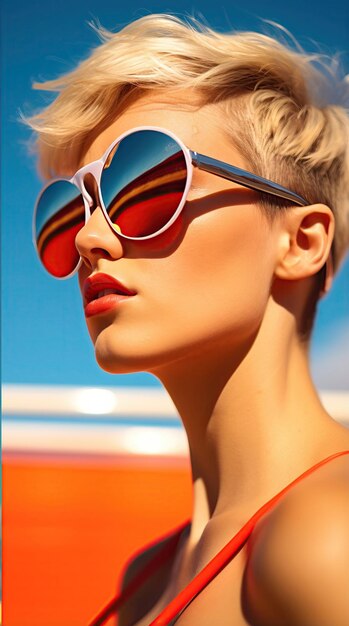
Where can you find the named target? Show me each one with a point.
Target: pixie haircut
(285, 110)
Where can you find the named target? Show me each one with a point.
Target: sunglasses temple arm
(247, 179)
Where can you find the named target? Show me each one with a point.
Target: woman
(211, 284)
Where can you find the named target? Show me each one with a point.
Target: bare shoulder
(300, 557)
(145, 597)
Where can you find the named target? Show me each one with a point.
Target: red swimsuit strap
(224, 556)
(154, 564)
(181, 601)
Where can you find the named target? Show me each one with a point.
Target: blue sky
(44, 336)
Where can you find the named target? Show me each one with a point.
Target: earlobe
(305, 242)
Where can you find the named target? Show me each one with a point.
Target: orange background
(70, 524)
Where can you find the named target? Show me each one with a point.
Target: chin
(118, 357)
(114, 360)
(117, 365)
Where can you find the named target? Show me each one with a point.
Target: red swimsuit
(199, 582)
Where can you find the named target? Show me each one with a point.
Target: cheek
(216, 282)
(226, 262)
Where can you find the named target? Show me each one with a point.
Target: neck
(252, 417)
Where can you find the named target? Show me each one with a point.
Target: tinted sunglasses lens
(142, 182)
(60, 214)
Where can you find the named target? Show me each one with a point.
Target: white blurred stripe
(337, 404)
(56, 433)
(55, 437)
(135, 402)
(59, 400)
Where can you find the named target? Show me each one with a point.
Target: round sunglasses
(143, 181)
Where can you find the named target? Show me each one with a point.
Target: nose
(96, 239)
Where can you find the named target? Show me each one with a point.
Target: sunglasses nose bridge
(91, 171)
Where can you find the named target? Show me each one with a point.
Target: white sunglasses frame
(192, 159)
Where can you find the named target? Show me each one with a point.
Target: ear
(305, 241)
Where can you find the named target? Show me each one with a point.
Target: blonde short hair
(284, 109)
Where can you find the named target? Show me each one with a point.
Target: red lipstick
(102, 293)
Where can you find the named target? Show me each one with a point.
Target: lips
(102, 292)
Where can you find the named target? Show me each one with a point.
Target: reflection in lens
(59, 217)
(143, 183)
